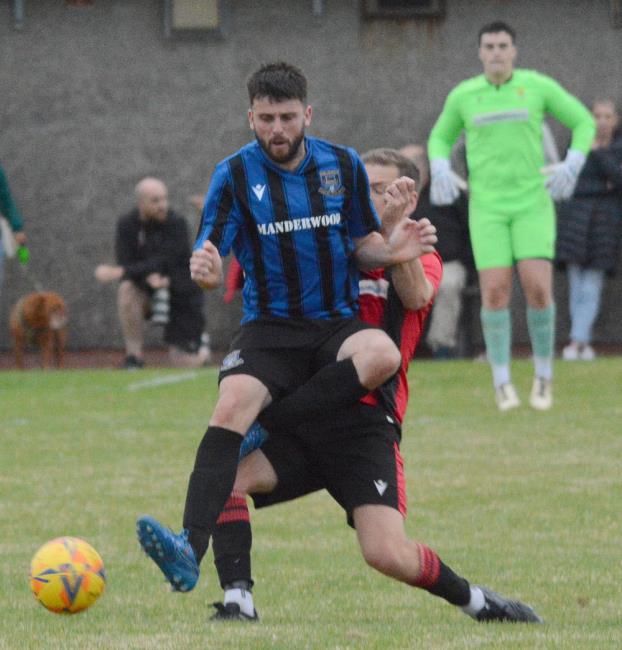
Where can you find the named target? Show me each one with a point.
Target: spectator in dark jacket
(590, 230)
(454, 247)
(13, 226)
(153, 252)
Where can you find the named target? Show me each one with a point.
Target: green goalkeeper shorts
(502, 235)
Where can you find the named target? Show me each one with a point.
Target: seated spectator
(455, 249)
(152, 254)
(589, 230)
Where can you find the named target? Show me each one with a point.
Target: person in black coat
(454, 247)
(152, 254)
(590, 230)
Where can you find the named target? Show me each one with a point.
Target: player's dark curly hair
(386, 157)
(494, 28)
(279, 82)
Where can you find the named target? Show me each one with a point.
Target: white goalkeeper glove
(562, 177)
(445, 185)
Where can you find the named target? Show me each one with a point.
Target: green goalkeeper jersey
(503, 126)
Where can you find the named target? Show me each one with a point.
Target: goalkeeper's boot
(541, 397)
(171, 552)
(506, 397)
(498, 608)
(232, 612)
(254, 438)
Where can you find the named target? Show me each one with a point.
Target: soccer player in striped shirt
(297, 213)
(359, 463)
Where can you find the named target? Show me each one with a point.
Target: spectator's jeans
(585, 287)
(447, 307)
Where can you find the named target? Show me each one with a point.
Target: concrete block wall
(93, 98)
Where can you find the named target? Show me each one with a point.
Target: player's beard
(289, 155)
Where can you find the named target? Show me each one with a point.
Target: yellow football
(67, 575)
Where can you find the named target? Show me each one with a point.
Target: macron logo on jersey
(381, 486)
(306, 223)
(259, 190)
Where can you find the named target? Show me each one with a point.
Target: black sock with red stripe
(231, 541)
(440, 580)
(335, 385)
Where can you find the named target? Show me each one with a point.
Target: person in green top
(511, 193)
(9, 211)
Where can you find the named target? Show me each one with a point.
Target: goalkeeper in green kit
(511, 214)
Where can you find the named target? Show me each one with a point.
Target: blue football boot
(171, 552)
(254, 438)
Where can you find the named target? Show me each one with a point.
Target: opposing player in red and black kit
(359, 463)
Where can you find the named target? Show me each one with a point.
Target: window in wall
(192, 18)
(399, 9)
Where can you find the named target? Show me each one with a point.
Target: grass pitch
(527, 503)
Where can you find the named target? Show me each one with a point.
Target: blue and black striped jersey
(292, 232)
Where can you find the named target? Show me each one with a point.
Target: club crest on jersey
(232, 360)
(330, 180)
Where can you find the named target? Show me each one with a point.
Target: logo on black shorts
(232, 360)
(331, 182)
(381, 486)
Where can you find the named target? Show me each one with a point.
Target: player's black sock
(231, 541)
(335, 385)
(451, 587)
(210, 484)
(440, 580)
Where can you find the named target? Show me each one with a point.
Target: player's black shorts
(357, 461)
(284, 353)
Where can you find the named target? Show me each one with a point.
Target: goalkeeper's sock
(501, 375)
(541, 326)
(438, 579)
(335, 385)
(497, 330)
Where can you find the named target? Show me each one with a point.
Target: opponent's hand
(400, 201)
(445, 184)
(411, 239)
(562, 177)
(427, 235)
(206, 266)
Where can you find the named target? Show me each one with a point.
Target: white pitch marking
(162, 381)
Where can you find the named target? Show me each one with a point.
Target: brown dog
(40, 318)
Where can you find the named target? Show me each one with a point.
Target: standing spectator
(590, 230)
(9, 211)
(153, 251)
(452, 230)
(511, 215)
